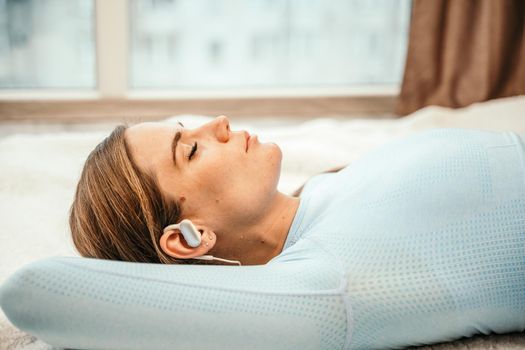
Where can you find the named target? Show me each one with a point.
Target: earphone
(190, 233)
(193, 238)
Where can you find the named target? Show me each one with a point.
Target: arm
(83, 303)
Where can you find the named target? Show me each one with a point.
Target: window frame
(111, 96)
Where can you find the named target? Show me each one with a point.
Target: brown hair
(118, 211)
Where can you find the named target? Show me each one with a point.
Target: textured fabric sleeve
(71, 302)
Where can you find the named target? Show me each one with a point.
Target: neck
(265, 239)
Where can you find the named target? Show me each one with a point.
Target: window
(47, 44)
(119, 48)
(265, 43)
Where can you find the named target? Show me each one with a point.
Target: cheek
(216, 176)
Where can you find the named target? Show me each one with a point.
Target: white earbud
(193, 238)
(190, 233)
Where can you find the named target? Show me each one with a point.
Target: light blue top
(419, 241)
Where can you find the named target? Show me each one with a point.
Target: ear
(173, 243)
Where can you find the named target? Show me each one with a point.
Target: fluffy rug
(39, 173)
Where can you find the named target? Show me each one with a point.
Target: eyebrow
(178, 134)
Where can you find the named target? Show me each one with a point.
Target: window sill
(78, 106)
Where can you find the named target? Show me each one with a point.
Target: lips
(247, 137)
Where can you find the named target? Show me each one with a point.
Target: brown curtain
(463, 51)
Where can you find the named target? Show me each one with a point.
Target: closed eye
(193, 150)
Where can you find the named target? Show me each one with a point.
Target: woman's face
(223, 184)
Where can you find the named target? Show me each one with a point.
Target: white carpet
(38, 174)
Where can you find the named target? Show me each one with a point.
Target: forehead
(150, 143)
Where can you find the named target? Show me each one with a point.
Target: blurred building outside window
(208, 44)
(47, 44)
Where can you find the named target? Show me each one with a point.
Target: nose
(220, 127)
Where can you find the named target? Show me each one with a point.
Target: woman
(420, 241)
(148, 176)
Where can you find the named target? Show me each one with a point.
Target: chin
(275, 161)
(275, 155)
(271, 160)
(277, 149)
